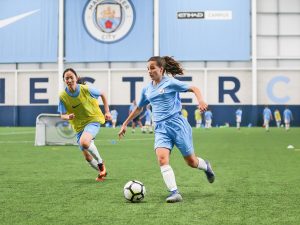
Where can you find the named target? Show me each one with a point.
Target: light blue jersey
(114, 114)
(208, 115)
(287, 114)
(267, 114)
(163, 97)
(239, 112)
(148, 115)
(94, 92)
(170, 126)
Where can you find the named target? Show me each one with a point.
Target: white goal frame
(53, 133)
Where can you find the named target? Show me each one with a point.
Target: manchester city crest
(108, 20)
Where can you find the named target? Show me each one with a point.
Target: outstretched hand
(202, 106)
(108, 116)
(122, 131)
(71, 116)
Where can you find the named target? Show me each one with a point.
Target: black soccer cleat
(210, 175)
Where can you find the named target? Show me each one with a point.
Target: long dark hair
(170, 65)
(79, 80)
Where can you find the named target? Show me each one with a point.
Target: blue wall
(26, 115)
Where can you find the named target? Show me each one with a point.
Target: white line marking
(13, 133)
(108, 141)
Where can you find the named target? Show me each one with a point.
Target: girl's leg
(163, 156)
(197, 162)
(91, 153)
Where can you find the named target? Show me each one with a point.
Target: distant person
(184, 113)
(114, 115)
(238, 118)
(208, 118)
(267, 116)
(136, 119)
(288, 117)
(148, 120)
(198, 117)
(277, 117)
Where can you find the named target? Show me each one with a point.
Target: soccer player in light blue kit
(148, 119)
(170, 126)
(288, 117)
(267, 114)
(238, 117)
(136, 119)
(114, 115)
(208, 118)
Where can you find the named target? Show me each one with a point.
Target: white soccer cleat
(174, 197)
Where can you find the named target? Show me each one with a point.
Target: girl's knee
(85, 144)
(192, 162)
(163, 161)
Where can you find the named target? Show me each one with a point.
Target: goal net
(52, 130)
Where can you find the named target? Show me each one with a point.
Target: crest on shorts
(108, 20)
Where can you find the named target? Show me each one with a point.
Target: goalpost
(52, 130)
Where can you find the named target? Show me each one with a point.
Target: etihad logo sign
(108, 20)
(206, 15)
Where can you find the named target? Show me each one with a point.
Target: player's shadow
(196, 195)
(93, 181)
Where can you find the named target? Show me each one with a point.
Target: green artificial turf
(257, 180)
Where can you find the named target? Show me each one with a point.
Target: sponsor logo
(190, 15)
(108, 20)
(13, 19)
(75, 106)
(206, 15)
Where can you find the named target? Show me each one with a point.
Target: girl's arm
(67, 116)
(202, 105)
(106, 107)
(132, 115)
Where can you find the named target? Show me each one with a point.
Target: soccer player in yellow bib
(79, 105)
(198, 117)
(184, 113)
(277, 117)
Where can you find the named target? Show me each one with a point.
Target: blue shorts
(92, 128)
(174, 131)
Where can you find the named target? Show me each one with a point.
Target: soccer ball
(134, 191)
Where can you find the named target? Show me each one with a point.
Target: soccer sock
(94, 152)
(201, 164)
(150, 129)
(267, 126)
(169, 177)
(94, 164)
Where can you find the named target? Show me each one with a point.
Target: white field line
(100, 141)
(13, 133)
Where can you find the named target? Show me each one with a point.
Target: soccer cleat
(174, 197)
(102, 170)
(99, 178)
(209, 173)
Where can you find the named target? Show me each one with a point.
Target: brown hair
(79, 80)
(170, 65)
